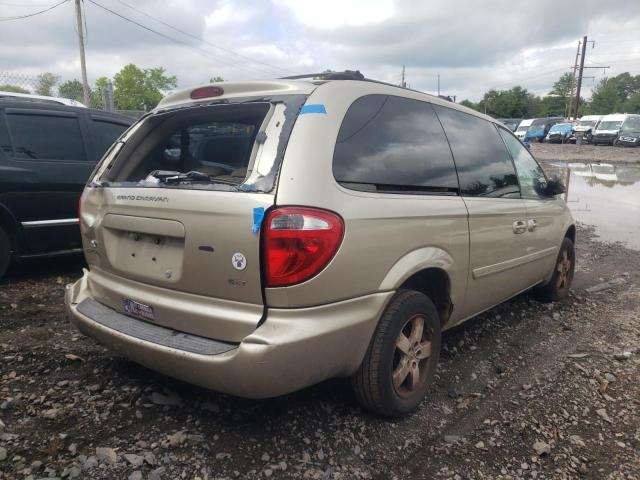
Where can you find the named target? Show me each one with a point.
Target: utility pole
(403, 83)
(580, 71)
(569, 107)
(83, 65)
(438, 84)
(579, 85)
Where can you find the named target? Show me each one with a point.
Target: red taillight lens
(298, 243)
(206, 92)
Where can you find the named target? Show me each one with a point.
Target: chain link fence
(49, 85)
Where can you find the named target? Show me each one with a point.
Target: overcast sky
(473, 48)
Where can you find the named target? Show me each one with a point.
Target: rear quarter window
(389, 143)
(5, 143)
(484, 166)
(46, 137)
(103, 134)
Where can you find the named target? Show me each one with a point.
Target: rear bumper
(292, 349)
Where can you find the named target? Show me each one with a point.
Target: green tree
(13, 88)
(514, 103)
(45, 83)
(563, 86)
(553, 106)
(97, 93)
(216, 79)
(632, 105)
(138, 89)
(616, 94)
(72, 89)
(559, 98)
(605, 98)
(469, 104)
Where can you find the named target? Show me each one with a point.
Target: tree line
(616, 94)
(136, 88)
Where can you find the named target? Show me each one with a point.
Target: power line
(175, 40)
(232, 52)
(10, 4)
(533, 77)
(19, 17)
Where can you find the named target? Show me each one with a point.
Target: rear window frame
(263, 184)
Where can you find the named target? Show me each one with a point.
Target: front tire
(558, 287)
(402, 357)
(5, 252)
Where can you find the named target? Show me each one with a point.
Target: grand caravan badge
(144, 198)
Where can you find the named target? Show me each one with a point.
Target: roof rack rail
(346, 75)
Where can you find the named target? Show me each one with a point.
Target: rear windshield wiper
(171, 178)
(399, 188)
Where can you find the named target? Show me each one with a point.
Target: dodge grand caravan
(259, 237)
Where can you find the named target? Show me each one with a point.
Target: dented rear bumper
(292, 349)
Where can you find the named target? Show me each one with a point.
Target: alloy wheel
(411, 357)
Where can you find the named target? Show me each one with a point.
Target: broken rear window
(192, 147)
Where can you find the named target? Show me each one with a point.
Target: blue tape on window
(313, 108)
(258, 216)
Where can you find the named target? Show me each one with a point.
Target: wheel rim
(564, 271)
(411, 356)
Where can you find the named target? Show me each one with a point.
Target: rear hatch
(170, 220)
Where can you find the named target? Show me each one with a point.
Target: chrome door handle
(519, 226)
(532, 224)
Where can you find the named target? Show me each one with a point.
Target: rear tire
(402, 357)
(558, 287)
(5, 252)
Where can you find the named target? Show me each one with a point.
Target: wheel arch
(571, 233)
(426, 270)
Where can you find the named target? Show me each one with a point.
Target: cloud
(473, 45)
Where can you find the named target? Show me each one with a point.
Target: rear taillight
(298, 243)
(206, 92)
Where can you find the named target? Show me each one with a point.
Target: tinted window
(393, 143)
(47, 137)
(104, 134)
(531, 176)
(5, 144)
(483, 163)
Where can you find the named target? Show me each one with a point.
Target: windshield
(560, 127)
(610, 125)
(522, 128)
(587, 123)
(631, 125)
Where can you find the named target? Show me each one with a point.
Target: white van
(523, 127)
(607, 130)
(585, 127)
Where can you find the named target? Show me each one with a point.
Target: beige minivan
(259, 237)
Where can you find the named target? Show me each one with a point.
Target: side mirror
(554, 187)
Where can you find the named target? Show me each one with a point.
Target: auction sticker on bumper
(131, 307)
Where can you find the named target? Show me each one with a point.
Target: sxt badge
(239, 261)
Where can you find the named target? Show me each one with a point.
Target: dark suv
(47, 152)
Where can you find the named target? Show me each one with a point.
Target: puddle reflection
(604, 195)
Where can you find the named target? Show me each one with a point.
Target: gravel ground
(585, 153)
(526, 390)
